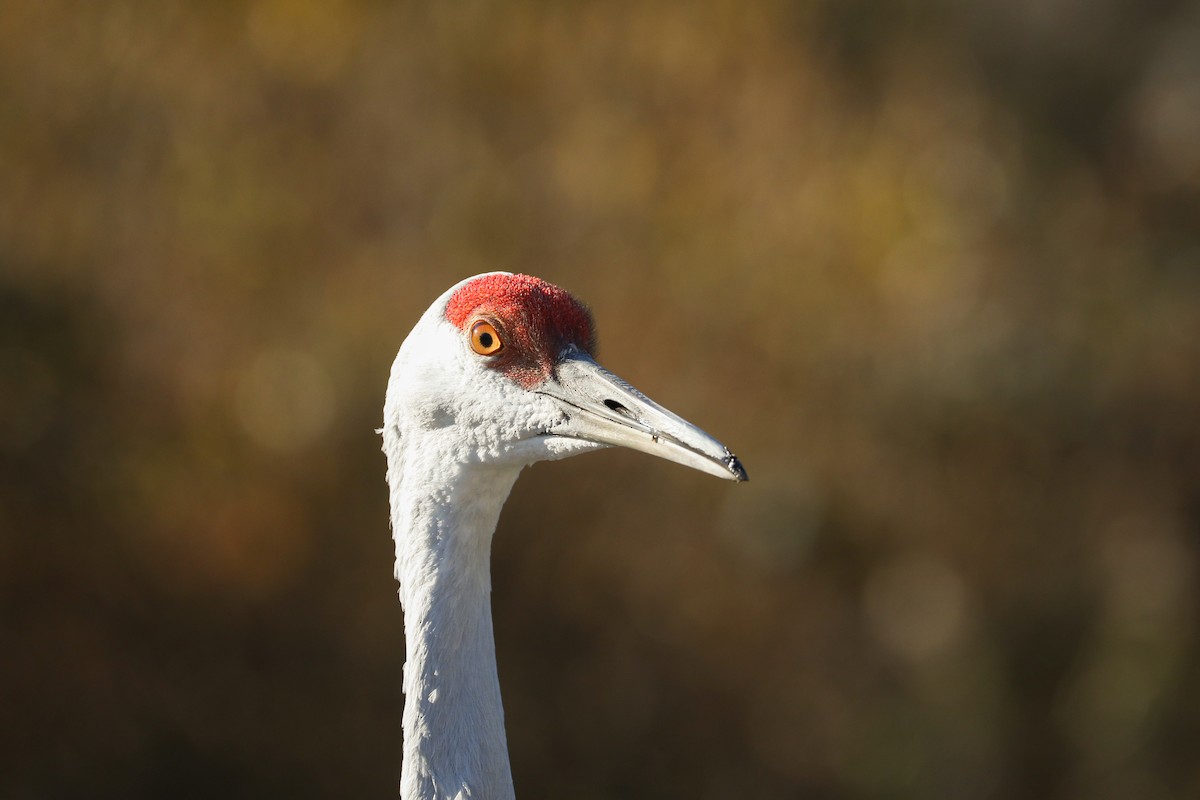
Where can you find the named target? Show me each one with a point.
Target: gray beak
(602, 408)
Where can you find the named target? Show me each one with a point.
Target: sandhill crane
(496, 375)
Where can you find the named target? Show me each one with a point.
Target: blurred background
(931, 269)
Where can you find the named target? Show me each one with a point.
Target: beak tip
(735, 467)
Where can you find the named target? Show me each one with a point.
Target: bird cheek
(435, 415)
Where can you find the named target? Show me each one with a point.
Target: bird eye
(484, 339)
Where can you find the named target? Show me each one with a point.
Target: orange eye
(484, 339)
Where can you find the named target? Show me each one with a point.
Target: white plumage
(459, 425)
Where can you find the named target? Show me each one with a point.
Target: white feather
(456, 435)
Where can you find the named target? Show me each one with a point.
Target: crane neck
(443, 516)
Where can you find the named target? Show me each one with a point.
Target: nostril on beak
(613, 405)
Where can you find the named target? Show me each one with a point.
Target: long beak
(603, 408)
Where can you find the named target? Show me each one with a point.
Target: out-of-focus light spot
(1149, 572)
(916, 606)
(1167, 111)
(27, 399)
(284, 399)
(772, 526)
(1171, 124)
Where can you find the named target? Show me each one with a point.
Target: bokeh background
(932, 269)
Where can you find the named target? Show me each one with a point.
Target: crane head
(501, 370)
